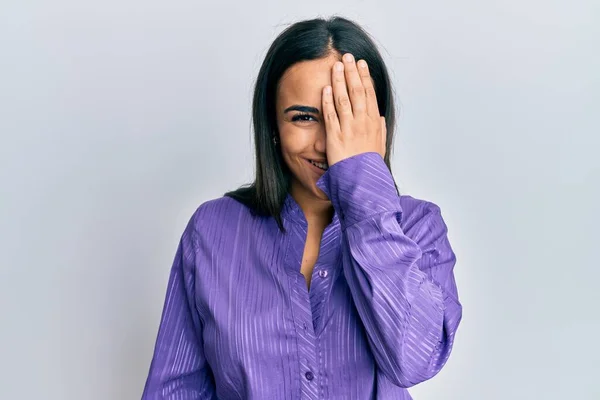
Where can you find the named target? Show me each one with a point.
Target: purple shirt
(380, 316)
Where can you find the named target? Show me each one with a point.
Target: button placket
(303, 313)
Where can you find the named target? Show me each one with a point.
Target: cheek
(291, 148)
(294, 142)
(298, 138)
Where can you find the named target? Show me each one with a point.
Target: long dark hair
(305, 40)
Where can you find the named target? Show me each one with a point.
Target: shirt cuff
(360, 186)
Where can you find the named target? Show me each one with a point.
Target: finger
(371, 96)
(340, 94)
(356, 90)
(332, 123)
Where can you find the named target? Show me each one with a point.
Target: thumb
(383, 136)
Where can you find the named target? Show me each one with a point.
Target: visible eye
(301, 117)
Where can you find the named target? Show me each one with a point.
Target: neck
(318, 212)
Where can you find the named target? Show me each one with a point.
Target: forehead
(303, 82)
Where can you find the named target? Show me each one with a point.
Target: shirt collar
(330, 247)
(291, 211)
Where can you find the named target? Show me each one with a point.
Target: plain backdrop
(118, 118)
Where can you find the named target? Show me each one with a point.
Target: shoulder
(421, 217)
(215, 216)
(223, 210)
(413, 207)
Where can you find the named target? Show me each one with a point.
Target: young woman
(318, 280)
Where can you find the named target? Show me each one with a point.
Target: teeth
(320, 165)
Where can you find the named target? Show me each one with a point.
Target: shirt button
(323, 273)
(309, 375)
(304, 324)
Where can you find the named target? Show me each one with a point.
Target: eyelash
(298, 116)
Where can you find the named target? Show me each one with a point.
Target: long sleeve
(402, 283)
(179, 369)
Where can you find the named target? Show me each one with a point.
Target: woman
(318, 280)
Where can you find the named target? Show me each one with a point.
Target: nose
(321, 140)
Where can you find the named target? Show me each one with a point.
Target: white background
(118, 118)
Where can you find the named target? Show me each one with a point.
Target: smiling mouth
(321, 166)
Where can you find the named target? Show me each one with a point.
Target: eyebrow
(297, 107)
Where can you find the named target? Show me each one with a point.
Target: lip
(316, 169)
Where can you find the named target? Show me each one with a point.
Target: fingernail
(348, 57)
(362, 63)
(339, 66)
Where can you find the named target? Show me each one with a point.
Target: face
(300, 123)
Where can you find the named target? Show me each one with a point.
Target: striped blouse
(381, 314)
